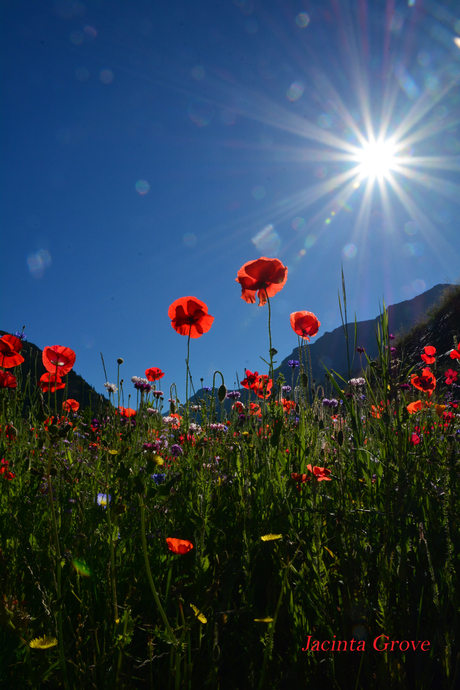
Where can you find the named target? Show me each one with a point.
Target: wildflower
(50, 382)
(300, 479)
(103, 499)
(455, 354)
(288, 405)
(127, 411)
(154, 374)
(414, 406)
(176, 450)
(293, 363)
(414, 439)
(305, 324)
(158, 394)
(451, 376)
(208, 389)
(199, 615)
(392, 337)
(110, 387)
(10, 347)
(263, 620)
(439, 410)
(233, 395)
(428, 357)
(179, 546)
(5, 471)
(189, 316)
(20, 335)
(250, 380)
(425, 382)
(357, 382)
(262, 388)
(321, 473)
(255, 409)
(333, 402)
(271, 537)
(405, 386)
(7, 380)
(158, 478)
(70, 404)
(264, 276)
(360, 350)
(238, 406)
(326, 402)
(58, 359)
(44, 642)
(286, 389)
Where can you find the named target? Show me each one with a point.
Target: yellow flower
(199, 615)
(439, 409)
(44, 642)
(271, 537)
(158, 460)
(263, 620)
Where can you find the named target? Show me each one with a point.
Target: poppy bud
(120, 360)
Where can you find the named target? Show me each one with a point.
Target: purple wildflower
(293, 363)
(176, 450)
(233, 395)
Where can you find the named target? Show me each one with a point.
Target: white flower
(111, 387)
(357, 382)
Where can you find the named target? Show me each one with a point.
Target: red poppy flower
(250, 380)
(414, 406)
(10, 347)
(425, 382)
(455, 354)
(321, 473)
(179, 546)
(300, 479)
(127, 411)
(451, 376)
(305, 324)
(58, 356)
(238, 406)
(70, 404)
(7, 380)
(50, 382)
(428, 356)
(254, 409)
(189, 315)
(288, 405)
(153, 374)
(5, 471)
(263, 386)
(414, 440)
(264, 276)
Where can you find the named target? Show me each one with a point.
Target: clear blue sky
(150, 149)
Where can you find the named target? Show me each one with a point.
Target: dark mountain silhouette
(409, 321)
(31, 370)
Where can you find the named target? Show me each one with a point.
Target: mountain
(78, 388)
(408, 320)
(331, 349)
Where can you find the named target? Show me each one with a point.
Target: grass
(372, 551)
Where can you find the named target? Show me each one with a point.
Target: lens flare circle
(376, 159)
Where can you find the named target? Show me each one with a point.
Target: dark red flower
(153, 374)
(414, 440)
(70, 404)
(10, 347)
(451, 376)
(305, 324)
(7, 380)
(189, 315)
(264, 276)
(250, 380)
(425, 382)
(428, 356)
(58, 356)
(50, 382)
(179, 546)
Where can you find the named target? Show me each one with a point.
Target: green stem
(112, 550)
(58, 575)
(150, 579)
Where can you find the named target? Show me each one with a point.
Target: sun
(376, 159)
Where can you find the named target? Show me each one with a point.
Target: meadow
(295, 537)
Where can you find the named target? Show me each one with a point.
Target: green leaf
(164, 489)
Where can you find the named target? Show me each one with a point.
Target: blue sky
(150, 149)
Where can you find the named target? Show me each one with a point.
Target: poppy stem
(270, 335)
(186, 380)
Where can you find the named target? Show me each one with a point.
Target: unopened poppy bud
(120, 360)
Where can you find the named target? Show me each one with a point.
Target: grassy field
(309, 540)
